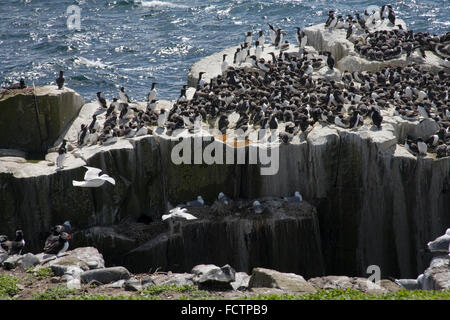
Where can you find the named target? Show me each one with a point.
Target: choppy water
(135, 42)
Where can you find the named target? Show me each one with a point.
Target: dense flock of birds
(382, 45)
(283, 90)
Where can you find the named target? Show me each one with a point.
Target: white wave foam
(90, 63)
(155, 3)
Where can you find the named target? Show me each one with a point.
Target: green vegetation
(8, 287)
(349, 294)
(40, 273)
(54, 293)
(168, 288)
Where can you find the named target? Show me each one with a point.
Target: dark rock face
(286, 240)
(374, 205)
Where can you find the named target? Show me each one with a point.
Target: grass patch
(188, 291)
(8, 286)
(167, 288)
(350, 294)
(54, 293)
(41, 273)
(102, 297)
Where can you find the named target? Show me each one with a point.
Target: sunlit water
(133, 43)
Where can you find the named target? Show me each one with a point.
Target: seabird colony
(283, 90)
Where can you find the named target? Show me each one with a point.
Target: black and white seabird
(57, 244)
(296, 198)
(261, 38)
(196, 203)
(60, 80)
(101, 101)
(152, 94)
(248, 38)
(201, 82)
(223, 198)
(62, 150)
(330, 61)
(82, 135)
(124, 96)
(377, 118)
(421, 146)
(15, 246)
(224, 66)
(272, 33)
(391, 15)
(258, 207)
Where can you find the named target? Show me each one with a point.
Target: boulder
(29, 260)
(179, 279)
(437, 275)
(105, 275)
(86, 258)
(117, 285)
(344, 282)
(42, 114)
(267, 278)
(134, 284)
(241, 281)
(211, 276)
(3, 257)
(12, 262)
(74, 284)
(390, 286)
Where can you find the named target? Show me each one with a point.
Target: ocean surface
(132, 43)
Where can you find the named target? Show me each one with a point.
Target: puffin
(57, 244)
(15, 246)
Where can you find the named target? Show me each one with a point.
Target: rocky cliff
(32, 120)
(376, 202)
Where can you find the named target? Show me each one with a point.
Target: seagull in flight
(92, 179)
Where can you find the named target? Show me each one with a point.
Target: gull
(258, 207)
(92, 179)
(179, 213)
(223, 198)
(296, 198)
(196, 203)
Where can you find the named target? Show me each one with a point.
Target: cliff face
(376, 203)
(286, 241)
(43, 116)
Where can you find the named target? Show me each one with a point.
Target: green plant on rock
(8, 286)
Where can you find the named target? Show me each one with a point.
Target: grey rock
(105, 275)
(344, 282)
(267, 278)
(437, 275)
(390, 286)
(29, 260)
(116, 285)
(179, 279)
(86, 258)
(241, 282)
(212, 276)
(12, 262)
(135, 284)
(74, 284)
(3, 257)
